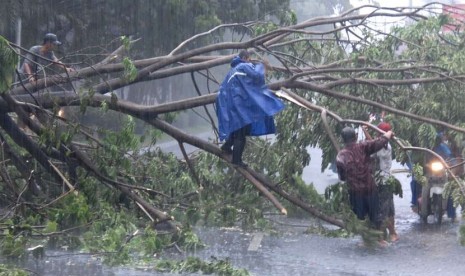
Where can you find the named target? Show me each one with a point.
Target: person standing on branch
(245, 106)
(41, 56)
(354, 167)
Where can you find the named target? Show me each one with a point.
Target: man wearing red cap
(386, 200)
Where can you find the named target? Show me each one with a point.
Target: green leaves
(14, 241)
(462, 235)
(396, 186)
(419, 175)
(6, 270)
(427, 136)
(193, 265)
(264, 28)
(74, 211)
(50, 227)
(8, 61)
(130, 70)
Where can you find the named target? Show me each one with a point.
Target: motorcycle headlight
(437, 166)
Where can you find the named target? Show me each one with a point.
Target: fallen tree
(338, 68)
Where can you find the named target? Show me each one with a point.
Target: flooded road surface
(422, 249)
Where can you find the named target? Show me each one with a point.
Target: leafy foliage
(192, 265)
(418, 174)
(8, 60)
(11, 271)
(462, 235)
(74, 212)
(337, 202)
(13, 245)
(130, 70)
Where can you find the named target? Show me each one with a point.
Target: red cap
(384, 126)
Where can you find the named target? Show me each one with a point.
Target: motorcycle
(432, 200)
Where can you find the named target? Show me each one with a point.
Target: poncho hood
(235, 61)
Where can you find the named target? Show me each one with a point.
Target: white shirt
(384, 156)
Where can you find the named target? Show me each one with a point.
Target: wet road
(422, 249)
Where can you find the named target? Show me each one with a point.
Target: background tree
(310, 9)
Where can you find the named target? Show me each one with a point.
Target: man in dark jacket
(354, 167)
(245, 106)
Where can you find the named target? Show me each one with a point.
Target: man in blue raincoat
(245, 106)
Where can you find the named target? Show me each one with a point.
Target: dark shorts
(386, 202)
(366, 204)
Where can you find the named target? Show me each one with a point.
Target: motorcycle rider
(444, 150)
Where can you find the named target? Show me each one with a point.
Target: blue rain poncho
(244, 99)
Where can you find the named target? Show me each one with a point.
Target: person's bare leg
(392, 229)
(382, 238)
(383, 243)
